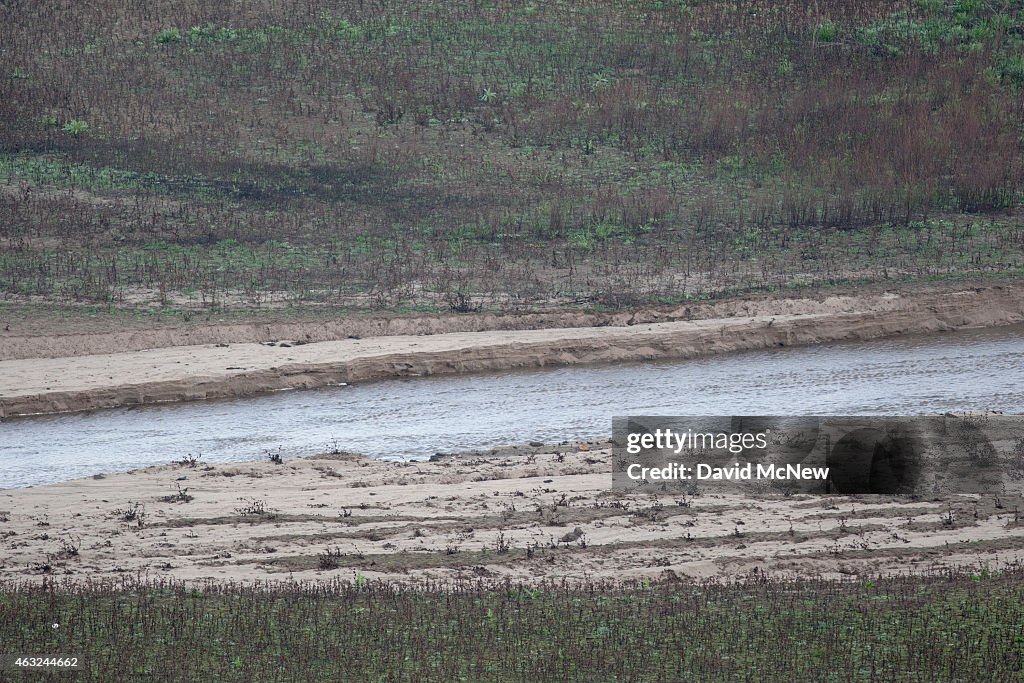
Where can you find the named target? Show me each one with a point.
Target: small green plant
(197, 34)
(225, 34)
(826, 32)
(168, 36)
(349, 31)
(1012, 71)
(76, 127)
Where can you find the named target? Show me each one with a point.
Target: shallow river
(415, 418)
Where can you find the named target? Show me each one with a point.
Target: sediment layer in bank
(207, 371)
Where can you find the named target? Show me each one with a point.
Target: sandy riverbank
(526, 513)
(33, 329)
(231, 370)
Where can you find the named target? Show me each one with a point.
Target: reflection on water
(956, 371)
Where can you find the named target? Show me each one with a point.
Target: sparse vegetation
(483, 631)
(75, 127)
(180, 496)
(275, 455)
(454, 157)
(190, 460)
(329, 558)
(69, 547)
(254, 507)
(133, 513)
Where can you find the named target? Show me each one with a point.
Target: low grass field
(962, 627)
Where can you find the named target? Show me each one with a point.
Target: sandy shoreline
(526, 513)
(231, 370)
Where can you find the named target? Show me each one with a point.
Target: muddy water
(956, 371)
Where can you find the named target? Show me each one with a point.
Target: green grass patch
(953, 627)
